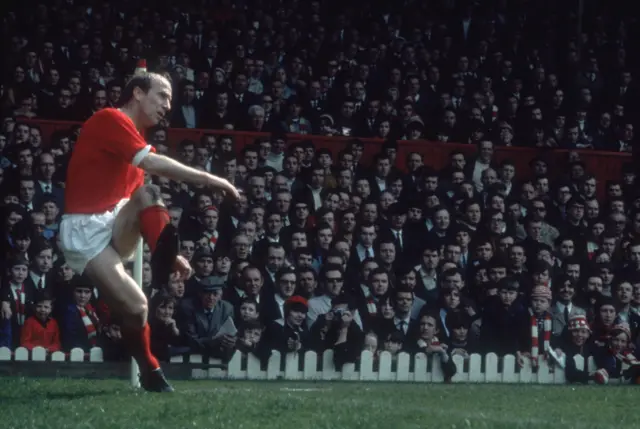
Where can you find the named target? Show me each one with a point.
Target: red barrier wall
(605, 165)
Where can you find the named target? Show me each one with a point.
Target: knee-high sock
(138, 342)
(153, 219)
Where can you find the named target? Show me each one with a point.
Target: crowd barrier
(604, 165)
(312, 367)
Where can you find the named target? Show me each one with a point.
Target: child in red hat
(577, 342)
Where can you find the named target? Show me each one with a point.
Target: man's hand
(460, 352)
(5, 310)
(228, 341)
(436, 349)
(225, 185)
(293, 345)
(347, 318)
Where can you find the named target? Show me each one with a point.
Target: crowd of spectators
(323, 251)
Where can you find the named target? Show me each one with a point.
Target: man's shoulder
(226, 306)
(108, 115)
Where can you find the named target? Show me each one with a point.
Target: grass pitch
(111, 404)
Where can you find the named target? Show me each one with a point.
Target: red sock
(139, 343)
(153, 219)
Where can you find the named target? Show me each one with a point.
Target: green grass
(91, 404)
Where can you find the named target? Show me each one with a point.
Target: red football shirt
(102, 170)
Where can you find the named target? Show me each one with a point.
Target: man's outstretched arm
(161, 165)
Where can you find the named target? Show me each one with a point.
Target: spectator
(204, 315)
(40, 330)
(289, 333)
(81, 326)
(470, 237)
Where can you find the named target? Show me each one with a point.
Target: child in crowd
(541, 326)
(81, 326)
(165, 333)
(576, 342)
(41, 330)
(617, 359)
(19, 297)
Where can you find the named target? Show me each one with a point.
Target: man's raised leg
(146, 215)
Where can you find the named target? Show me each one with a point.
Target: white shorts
(83, 236)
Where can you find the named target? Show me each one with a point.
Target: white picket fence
(420, 368)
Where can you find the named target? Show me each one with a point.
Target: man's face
(367, 236)
(47, 166)
(210, 220)
(383, 167)
(252, 282)
(275, 259)
(25, 159)
(44, 261)
(27, 191)
(210, 299)
(404, 302)
(156, 103)
(287, 285)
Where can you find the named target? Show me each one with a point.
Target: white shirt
(280, 302)
(36, 279)
(429, 282)
(275, 161)
(402, 324)
(364, 253)
(317, 199)
(478, 168)
(46, 187)
(189, 114)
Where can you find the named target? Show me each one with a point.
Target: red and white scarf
(213, 239)
(90, 321)
(372, 306)
(592, 248)
(20, 297)
(423, 344)
(535, 335)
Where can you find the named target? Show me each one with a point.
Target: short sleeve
(141, 155)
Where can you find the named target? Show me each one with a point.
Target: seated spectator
(41, 330)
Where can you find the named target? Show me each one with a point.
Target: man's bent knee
(134, 314)
(147, 195)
